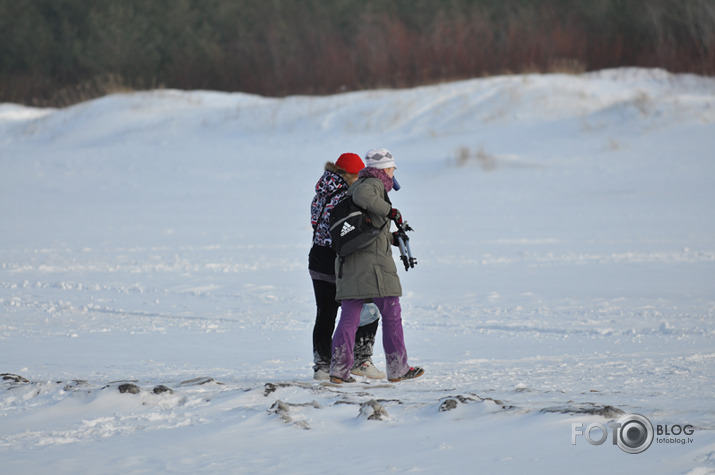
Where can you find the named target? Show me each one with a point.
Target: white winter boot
(368, 370)
(321, 374)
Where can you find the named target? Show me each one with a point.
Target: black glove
(394, 239)
(395, 216)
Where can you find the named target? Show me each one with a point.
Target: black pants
(325, 325)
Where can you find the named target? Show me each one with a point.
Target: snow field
(564, 230)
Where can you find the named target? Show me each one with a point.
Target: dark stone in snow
(448, 405)
(14, 378)
(587, 408)
(373, 411)
(269, 388)
(129, 388)
(163, 389)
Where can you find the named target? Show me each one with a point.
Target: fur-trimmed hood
(331, 167)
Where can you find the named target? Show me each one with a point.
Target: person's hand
(395, 216)
(395, 242)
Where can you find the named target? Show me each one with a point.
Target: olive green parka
(370, 272)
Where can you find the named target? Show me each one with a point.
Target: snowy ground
(565, 233)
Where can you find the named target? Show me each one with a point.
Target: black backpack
(351, 227)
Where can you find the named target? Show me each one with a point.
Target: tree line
(59, 52)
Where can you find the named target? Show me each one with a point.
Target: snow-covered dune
(156, 310)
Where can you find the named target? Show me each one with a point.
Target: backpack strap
(341, 260)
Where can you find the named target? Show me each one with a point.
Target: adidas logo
(347, 227)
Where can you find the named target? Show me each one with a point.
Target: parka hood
(330, 182)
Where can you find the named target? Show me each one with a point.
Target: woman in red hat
(331, 187)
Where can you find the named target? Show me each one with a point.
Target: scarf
(370, 172)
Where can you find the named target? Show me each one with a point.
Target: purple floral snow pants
(393, 340)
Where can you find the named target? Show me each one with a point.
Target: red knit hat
(350, 162)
